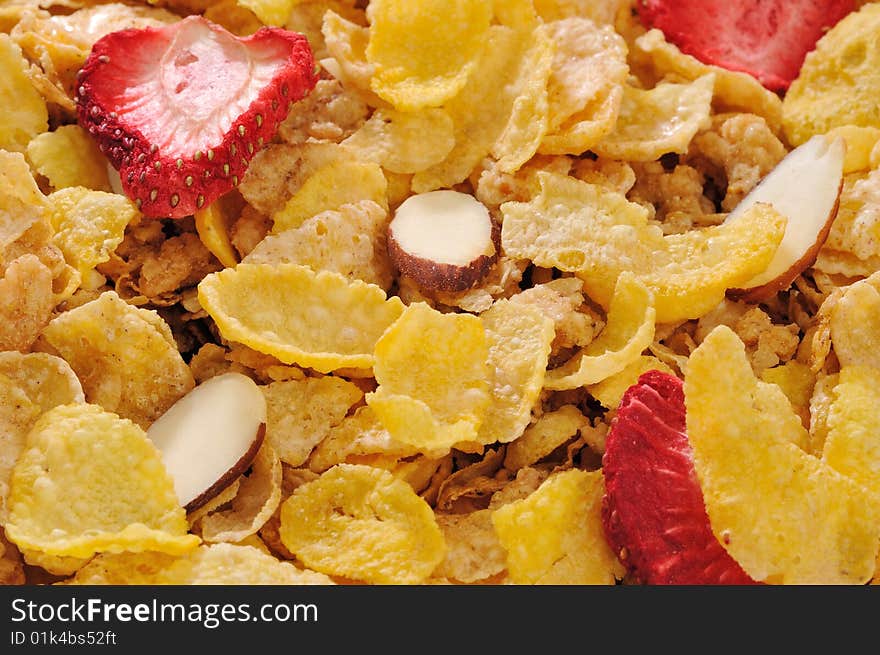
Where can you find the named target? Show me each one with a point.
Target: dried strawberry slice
(653, 510)
(180, 110)
(766, 38)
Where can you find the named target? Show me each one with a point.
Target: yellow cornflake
(433, 379)
(216, 564)
(47, 380)
(610, 391)
(627, 333)
(855, 324)
(796, 381)
(68, 157)
(270, 12)
(519, 338)
(23, 113)
(839, 81)
(501, 91)
(545, 435)
(362, 523)
(853, 245)
(598, 234)
(89, 481)
(89, 225)
(21, 202)
(212, 226)
(658, 121)
(125, 357)
(302, 412)
(602, 12)
(589, 61)
(346, 43)
(860, 142)
(404, 142)
(27, 302)
(30, 384)
(529, 117)
(555, 535)
(853, 443)
(318, 320)
(785, 516)
(586, 128)
(18, 413)
(322, 191)
(425, 50)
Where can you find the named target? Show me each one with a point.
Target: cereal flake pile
(467, 292)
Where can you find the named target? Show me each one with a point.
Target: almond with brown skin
(804, 187)
(443, 240)
(210, 436)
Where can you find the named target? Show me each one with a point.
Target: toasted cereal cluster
(659, 363)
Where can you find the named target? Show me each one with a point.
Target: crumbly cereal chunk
(349, 240)
(853, 245)
(766, 344)
(738, 151)
(330, 112)
(674, 197)
(301, 413)
(562, 301)
(179, 262)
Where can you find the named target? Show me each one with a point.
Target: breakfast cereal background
(440, 292)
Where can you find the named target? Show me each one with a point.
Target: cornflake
(579, 227)
(784, 515)
(23, 110)
(555, 535)
(125, 357)
(425, 50)
(301, 413)
(320, 320)
(362, 523)
(67, 157)
(70, 497)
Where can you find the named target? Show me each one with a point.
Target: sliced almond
(210, 436)
(443, 240)
(805, 188)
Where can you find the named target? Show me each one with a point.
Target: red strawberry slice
(180, 110)
(766, 38)
(653, 510)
